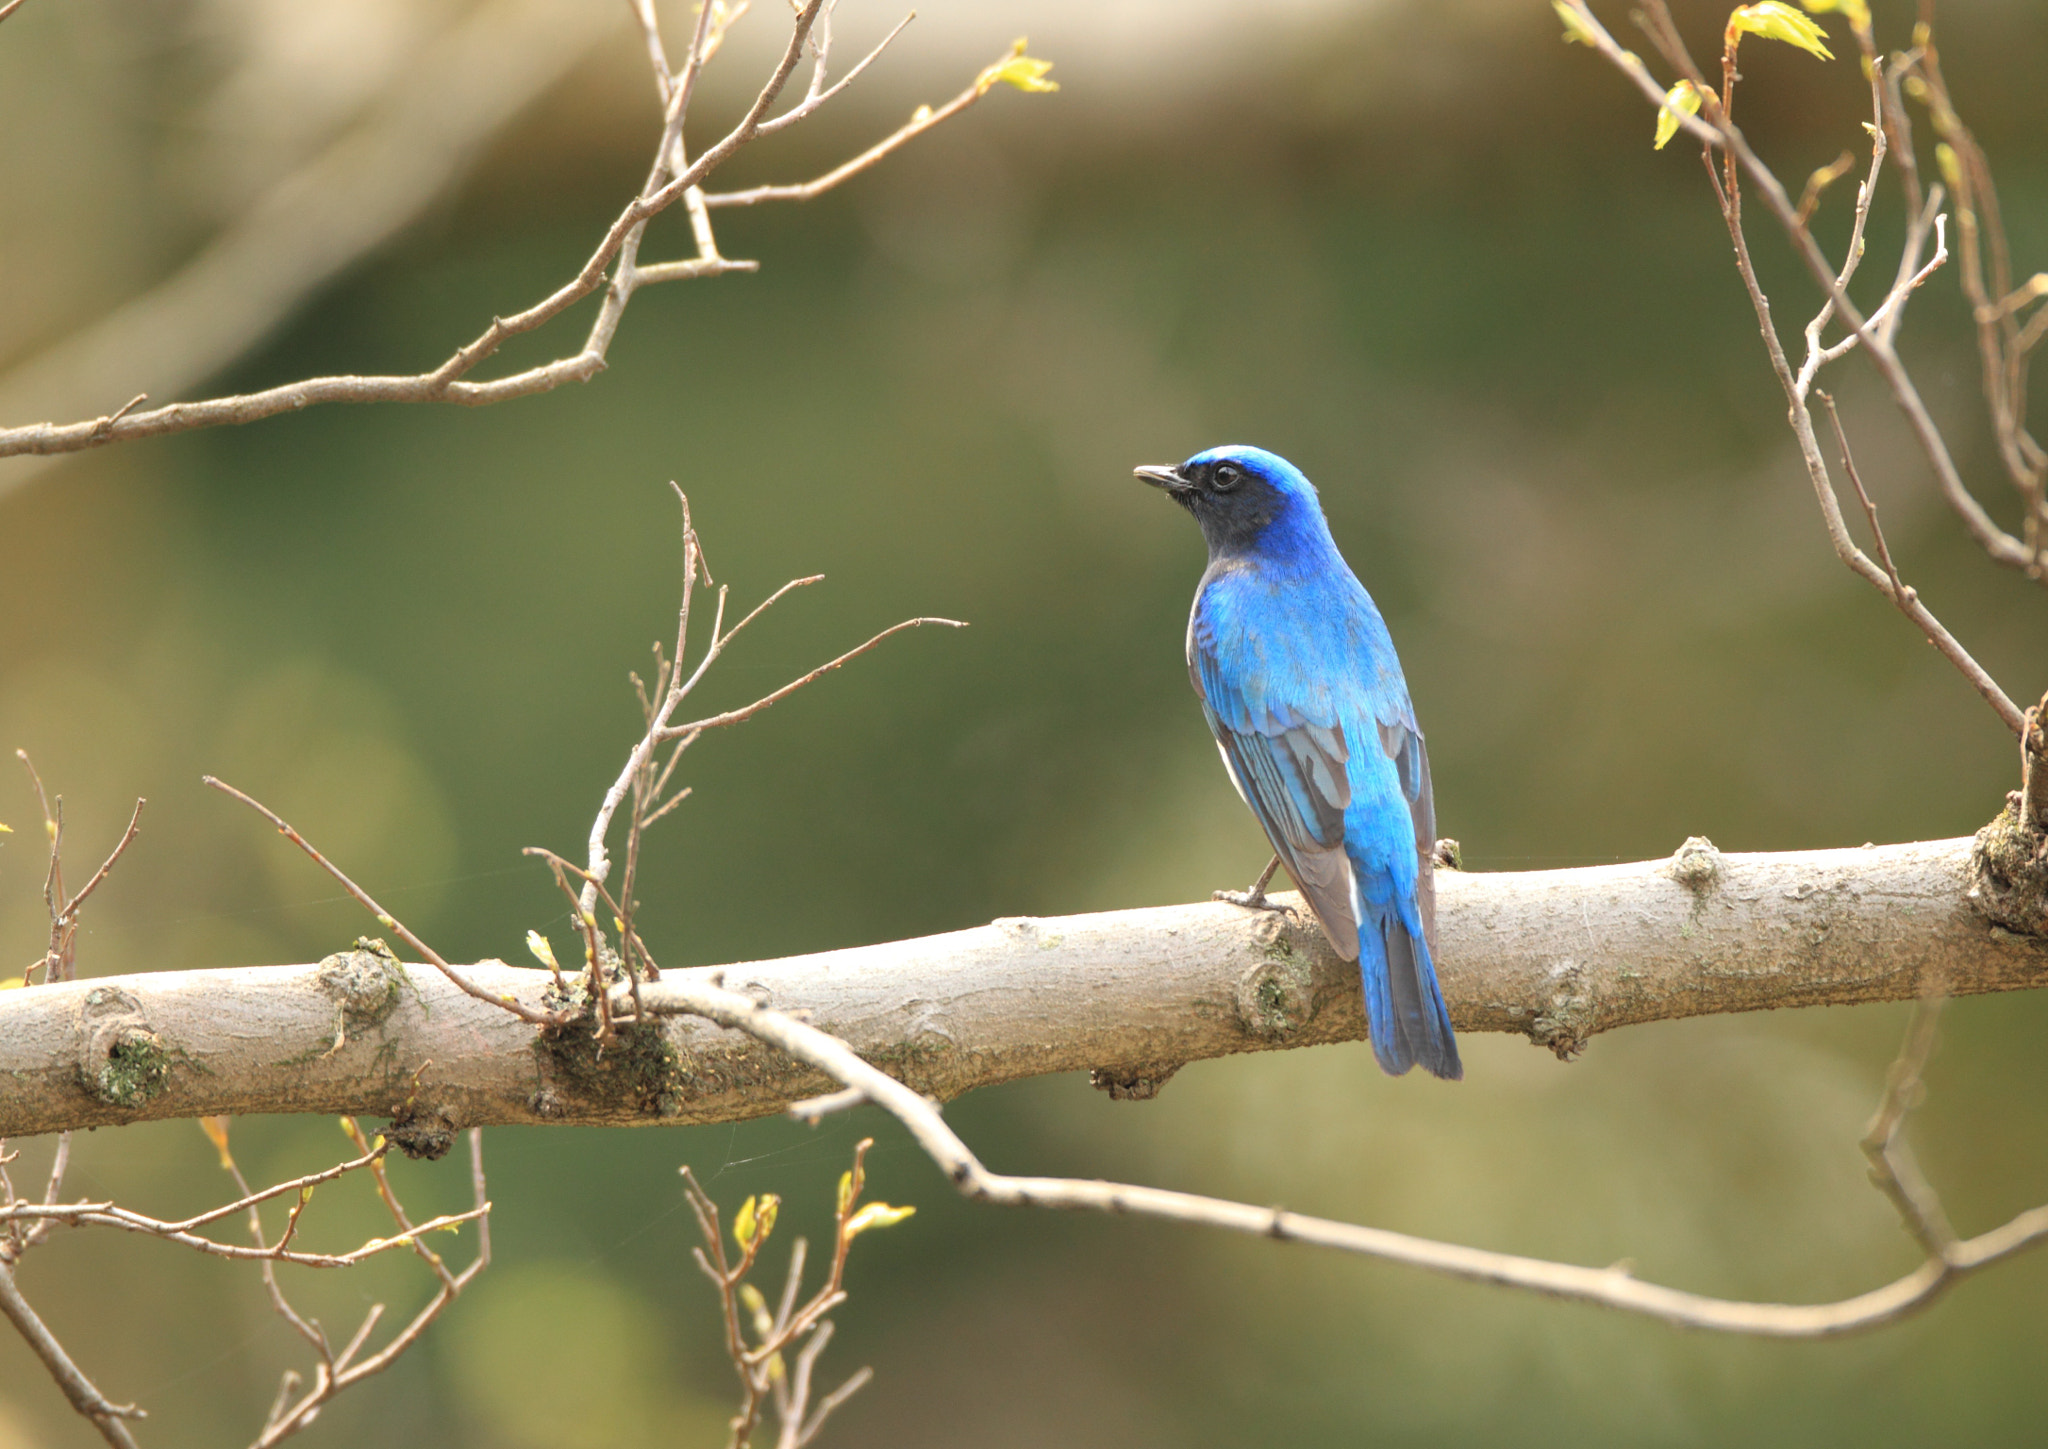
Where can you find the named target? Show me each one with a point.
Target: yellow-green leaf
(876, 1215)
(1951, 168)
(1856, 11)
(1576, 30)
(845, 1192)
(1025, 72)
(1775, 20)
(13, 983)
(755, 1220)
(542, 951)
(216, 1130)
(1685, 96)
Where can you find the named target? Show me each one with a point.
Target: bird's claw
(1250, 900)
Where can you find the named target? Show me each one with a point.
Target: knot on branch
(120, 1060)
(2009, 872)
(2034, 767)
(1570, 1019)
(364, 982)
(422, 1133)
(1696, 865)
(1134, 1085)
(634, 1070)
(1275, 998)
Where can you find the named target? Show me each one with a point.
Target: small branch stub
(1275, 998)
(121, 1062)
(2009, 872)
(1696, 865)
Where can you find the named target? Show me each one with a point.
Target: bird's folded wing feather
(1292, 771)
(1403, 744)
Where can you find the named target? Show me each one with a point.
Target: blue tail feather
(1403, 1005)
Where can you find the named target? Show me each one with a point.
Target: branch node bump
(1131, 1084)
(121, 1061)
(363, 982)
(1696, 865)
(422, 1133)
(1570, 1020)
(2009, 872)
(1275, 998)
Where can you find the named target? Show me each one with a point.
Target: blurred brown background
(1426, 251)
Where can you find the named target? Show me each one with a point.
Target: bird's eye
(1226, 477)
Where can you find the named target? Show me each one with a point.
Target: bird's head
(1238, 494)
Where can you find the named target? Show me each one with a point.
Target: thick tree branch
(1556, 956)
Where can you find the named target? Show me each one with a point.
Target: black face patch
(1233, 503)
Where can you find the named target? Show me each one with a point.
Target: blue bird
(1301, 687)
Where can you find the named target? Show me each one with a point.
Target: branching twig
(1713, 128)
(1609, 1287)
(762, 1365)
(332, 1371)
(288, 1415)
(105, 1415)
(60, 959)
(613, 266)
(1716, 130)
(384, 918)
(641, 780)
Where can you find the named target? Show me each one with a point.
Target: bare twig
(104, 1415)
(2003, 343)
(59, 961)
(747, 712)
(922, 120)
(762, 1365)
(1609, 1287)
(384, 917)
(292, 1408)
(613, 266)
(288, 1416)
(1892, 1166)
(1873, 334)
(640, 780)
(1714, 128)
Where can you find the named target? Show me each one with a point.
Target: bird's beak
(1162, 477)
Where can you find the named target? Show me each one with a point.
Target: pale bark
(1557, 956)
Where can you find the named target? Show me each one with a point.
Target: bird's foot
(1252, 900)
(1255, 898)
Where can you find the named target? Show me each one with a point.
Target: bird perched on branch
(1302, 689)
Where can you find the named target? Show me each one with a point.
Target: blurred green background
(1426, 251)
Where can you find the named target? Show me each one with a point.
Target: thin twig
(1609, 1287)
(104, 1415)
(921, 121)
(449, 381)
(746, 712)
(1892, 1166)
(1713, 130)
(1872, 334)
(384, 917)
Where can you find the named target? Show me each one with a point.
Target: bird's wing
(1403, 743)
(1291, 771)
